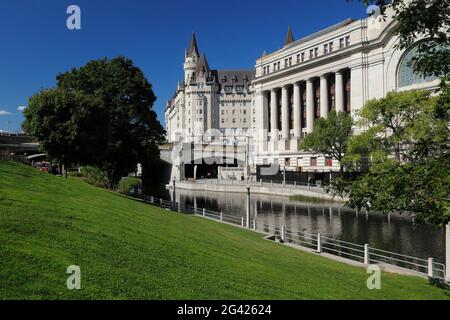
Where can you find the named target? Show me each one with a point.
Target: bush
(75, 174)
(129, 185)
(94, 176)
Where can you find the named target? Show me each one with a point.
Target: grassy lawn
(129, 250)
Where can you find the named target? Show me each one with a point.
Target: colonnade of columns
(309, 106)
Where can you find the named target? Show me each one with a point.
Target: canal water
(395, 232)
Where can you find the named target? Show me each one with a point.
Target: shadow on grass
(441, 284)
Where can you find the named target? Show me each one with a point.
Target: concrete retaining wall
(256, 189)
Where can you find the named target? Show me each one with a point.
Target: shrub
(75, 174)
(129, 185)
(94, 176)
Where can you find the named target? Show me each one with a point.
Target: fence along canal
(320, 243)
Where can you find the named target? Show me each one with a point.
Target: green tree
(330, 136)
(406, 150)
(116, 130)
(68, 125)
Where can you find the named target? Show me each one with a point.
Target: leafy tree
(405, 147)
(129, 185)
(68, 125)
(116, 128)
(330, 136)
(406, 151)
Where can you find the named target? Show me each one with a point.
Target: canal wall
(277, 190)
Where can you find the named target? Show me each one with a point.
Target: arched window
(406, 74)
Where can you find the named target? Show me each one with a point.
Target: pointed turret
(202, 67)
(289, 37)
(192, 47)
(203, 62)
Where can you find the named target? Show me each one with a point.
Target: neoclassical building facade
(339, 68)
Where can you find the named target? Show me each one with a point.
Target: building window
(406, 75)
(234, 120)
(330, 45)
(341, 43)
(303, 57)
(347, 41)
(328, 162)
(325, 48)
(298, 58)
(313, 162)
(287, 162)
(316, 52)
(290, 61)
(311, 54)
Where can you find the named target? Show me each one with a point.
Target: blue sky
(36, 45)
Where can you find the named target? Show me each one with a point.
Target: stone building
(209, 99)
(339, 68)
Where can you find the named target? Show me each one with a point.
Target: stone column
(285, 113)
(309, 106)
(297, 112)
(274, 114)
(265, 120)
(324, 96)
(339, 92)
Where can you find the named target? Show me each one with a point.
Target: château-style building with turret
(209, 99)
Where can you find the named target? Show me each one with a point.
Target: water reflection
(388, 232)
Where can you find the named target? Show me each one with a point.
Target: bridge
(18, 145)
(189, 160)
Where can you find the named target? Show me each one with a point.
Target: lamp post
(248, 206)
(174, 200)
(447, 253)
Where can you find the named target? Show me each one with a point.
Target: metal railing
(316, 241)
(260, 183)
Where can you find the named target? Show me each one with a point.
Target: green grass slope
(129, 250)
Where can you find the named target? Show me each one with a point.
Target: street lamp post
(447, 253)
(248, 206)
(174, 200)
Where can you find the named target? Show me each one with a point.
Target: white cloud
(21, 108)
(5, 113)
